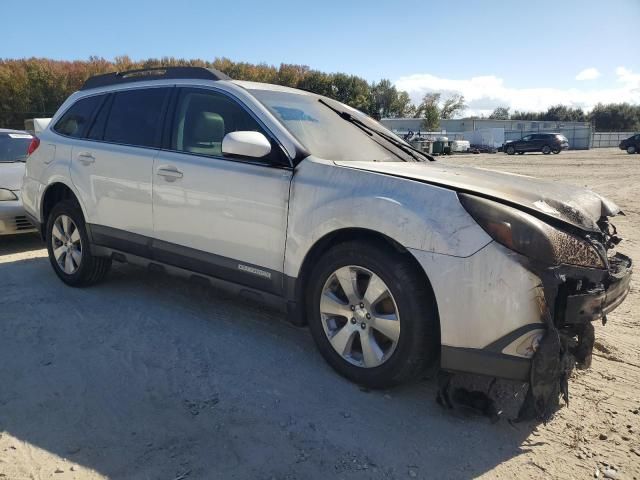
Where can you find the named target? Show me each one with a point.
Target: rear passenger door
(112, 167)
(221, 216)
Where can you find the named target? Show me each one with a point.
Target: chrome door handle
(86, 158)
(169, 173)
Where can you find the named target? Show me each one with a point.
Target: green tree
(614, 117)
(452, 106)
(429, 111)
(500, 113)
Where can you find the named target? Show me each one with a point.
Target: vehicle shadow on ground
(25, 242)
(149, 376)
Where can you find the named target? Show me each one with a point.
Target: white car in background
(393, 260)
(14, 148)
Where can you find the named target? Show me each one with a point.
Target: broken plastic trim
(570, 335)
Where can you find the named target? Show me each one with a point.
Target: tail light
(33, 146)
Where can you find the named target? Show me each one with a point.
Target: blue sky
(494, 52)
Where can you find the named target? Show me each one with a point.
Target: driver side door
(219, 215)
(524, 144)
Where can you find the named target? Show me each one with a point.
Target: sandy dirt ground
(152, 377)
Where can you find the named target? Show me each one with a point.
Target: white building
(578, 133)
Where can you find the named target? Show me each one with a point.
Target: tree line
(611, 117)
(36, 87)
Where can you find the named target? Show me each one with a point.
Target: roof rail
(156, 73)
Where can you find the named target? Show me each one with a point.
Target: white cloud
(626, 76)
(485, 93)
(588, 74)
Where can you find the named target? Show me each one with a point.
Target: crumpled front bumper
(596, 302)
(574, 298)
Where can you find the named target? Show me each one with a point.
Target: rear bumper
(13, 219)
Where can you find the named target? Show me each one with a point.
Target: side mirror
(246, 144)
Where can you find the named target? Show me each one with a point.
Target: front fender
(326, 198)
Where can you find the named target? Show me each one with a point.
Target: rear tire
(631, 149)
(406, 298)
(69, 248)
(546, 149)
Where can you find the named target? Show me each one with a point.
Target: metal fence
(609, 139)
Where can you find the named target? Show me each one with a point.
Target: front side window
(321, 131)
(75, 122)
(135, 116)
(202, 120)
(527, 138)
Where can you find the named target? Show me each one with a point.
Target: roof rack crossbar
(156, 73)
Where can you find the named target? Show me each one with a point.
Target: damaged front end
(582, 280)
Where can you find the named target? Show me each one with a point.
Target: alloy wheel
(66, 244)
(359, 316)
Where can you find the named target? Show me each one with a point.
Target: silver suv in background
(393, 260)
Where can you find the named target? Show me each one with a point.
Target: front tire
(372, 314)
(510, 150)
(69, 248)
(631, 149)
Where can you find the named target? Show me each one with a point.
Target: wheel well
(340, 236)
(53, 195)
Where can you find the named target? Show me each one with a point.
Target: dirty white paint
(483, 297)
(326, 197)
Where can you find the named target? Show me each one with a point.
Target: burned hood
(11, 175)
(577, 206)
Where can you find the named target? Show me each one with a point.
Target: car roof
(270, 86)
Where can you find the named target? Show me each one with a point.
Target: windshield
(13, 147)
(323, 133)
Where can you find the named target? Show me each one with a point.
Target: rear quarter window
(75, 121)
(134, 117)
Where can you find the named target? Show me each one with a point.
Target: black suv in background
(537, 142)
(631, 144)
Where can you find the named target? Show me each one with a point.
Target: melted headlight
(530, 236)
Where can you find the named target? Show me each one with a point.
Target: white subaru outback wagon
(393, 260)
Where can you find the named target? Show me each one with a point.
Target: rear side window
(75, 122)
(13, 146)
(134, 117)
(96, 132)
